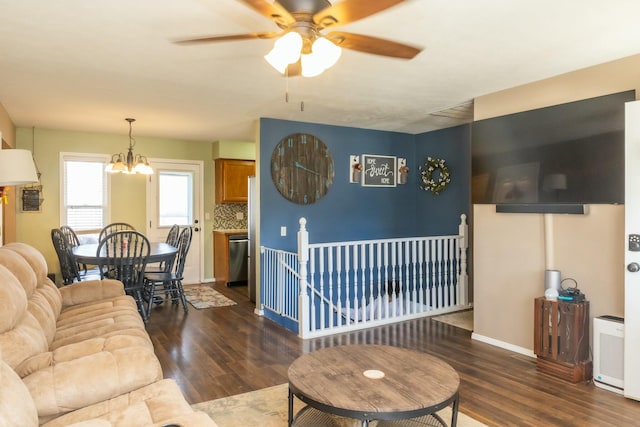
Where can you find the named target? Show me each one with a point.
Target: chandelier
(315, 53)
(130, 164)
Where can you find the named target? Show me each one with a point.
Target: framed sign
(378, 171)
(31, 200)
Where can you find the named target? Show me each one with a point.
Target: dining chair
(169, 283)
(172, 239)
(84, 272)
(113, 227)
(173, 235)
(68, 266)
(123, 256)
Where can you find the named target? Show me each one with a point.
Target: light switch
(283, 231)
(240, 216)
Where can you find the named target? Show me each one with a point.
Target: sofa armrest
(90, 290)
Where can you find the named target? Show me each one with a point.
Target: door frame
(200, 195)
(631, 279)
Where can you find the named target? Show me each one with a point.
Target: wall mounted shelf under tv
(551, 160)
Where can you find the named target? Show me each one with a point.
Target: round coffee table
(372, 382)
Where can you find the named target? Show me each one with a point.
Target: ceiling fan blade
(373, 45)
(351, 10)
(230, 37)
(272, 10)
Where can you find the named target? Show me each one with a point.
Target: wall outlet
(240, 216)
(283, 231)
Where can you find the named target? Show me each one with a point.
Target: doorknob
(633, 267)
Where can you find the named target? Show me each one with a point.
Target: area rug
(268, 408)
(461, 319)
(204, 296)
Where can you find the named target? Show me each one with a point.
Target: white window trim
(83, 157)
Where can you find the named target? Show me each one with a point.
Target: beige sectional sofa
(77, 355)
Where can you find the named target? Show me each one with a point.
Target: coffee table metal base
(311, 417)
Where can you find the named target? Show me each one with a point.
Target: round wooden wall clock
(302, 168)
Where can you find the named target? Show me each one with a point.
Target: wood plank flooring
(223, 351)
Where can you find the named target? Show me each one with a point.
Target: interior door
(174, 196)
(632, 252)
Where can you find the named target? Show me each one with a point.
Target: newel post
(303, 297)
(463, 278)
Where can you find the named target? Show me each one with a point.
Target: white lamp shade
(17, 167)
(324, 54)
(286, 50)
(311, 64)
(328, 51)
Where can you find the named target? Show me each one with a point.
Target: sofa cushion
(104, 318)
(16, 405)
(90, 291)
(157, 404)
(87, 372)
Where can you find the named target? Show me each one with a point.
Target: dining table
(158, 252)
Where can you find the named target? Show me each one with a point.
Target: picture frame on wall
(31, 200)
(379, 170)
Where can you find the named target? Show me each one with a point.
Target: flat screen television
(552, 159)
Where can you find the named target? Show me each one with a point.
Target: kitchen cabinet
(231, 179)
(221, 253)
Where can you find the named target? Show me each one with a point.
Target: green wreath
(429, 183)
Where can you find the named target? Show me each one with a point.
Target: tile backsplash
(225, 216)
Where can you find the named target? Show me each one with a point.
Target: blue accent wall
(437, 215)
(353, 212)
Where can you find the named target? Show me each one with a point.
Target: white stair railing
(335, 287)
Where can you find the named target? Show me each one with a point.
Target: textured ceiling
(86, 65)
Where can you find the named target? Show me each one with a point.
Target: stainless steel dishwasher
(238, 253)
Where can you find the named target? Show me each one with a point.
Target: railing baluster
(447, 285)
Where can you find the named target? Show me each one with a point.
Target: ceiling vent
(460, 114)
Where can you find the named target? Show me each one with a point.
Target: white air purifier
(608, 353)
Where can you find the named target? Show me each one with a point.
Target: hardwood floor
(223, 351)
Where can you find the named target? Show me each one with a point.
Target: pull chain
(286, 90)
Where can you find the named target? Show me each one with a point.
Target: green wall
(128, 192)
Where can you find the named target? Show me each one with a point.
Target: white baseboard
(502, 344)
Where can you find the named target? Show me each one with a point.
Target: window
(175, 205)
(84, 191)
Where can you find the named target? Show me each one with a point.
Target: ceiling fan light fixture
(311, 65)
(286, 50)
(327, 50)
(324, 54)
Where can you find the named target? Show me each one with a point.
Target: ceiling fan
(301, 23)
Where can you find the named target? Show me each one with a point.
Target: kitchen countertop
(232, 231)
